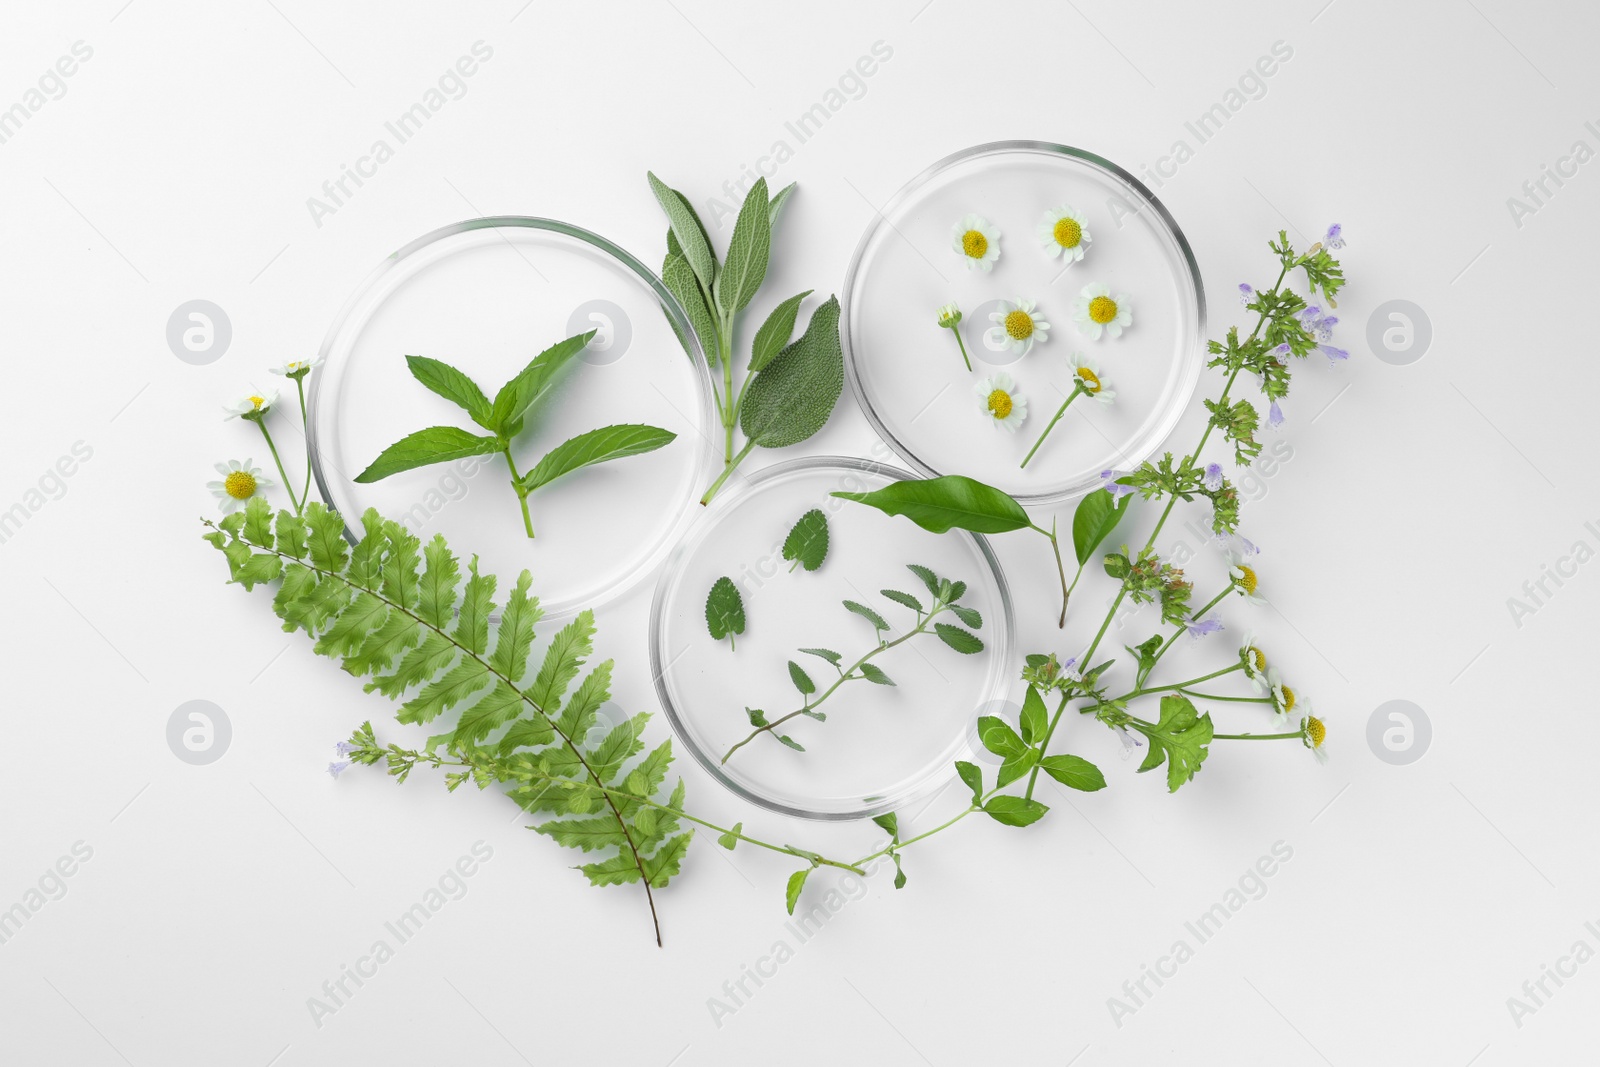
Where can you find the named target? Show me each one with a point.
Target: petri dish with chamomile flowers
(1026, 314)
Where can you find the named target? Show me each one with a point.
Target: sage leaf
(1014, 811)
(1093, 522)
(867, 613)
(681, 282)
(532, 384)
(807, 543)
(794, 394)
(725, 612)
(779, 198)
(453, 385)
(963, 642)
(1074, 772)
(775, 332)
(951, 502)
(797, 882)
(596, 446)
(686, 229)
(745, 266)
(873, 673)
(436, 444)
(802, 681)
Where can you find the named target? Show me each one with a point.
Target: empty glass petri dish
(881, 746)
(486, 296)
(908, 375)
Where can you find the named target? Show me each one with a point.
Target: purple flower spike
(344, 748)
(1245, 293)
(336, 769)
(1275, 416)
(1213, 478)
(1325, 327)
(1198, 628)
(1334, 238)
(1334, 355)
(1310, 315)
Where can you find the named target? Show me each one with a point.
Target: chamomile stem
(1236, 700)
(956, 329)
(300, 387)
(288, 487)
(522, 495)
(1077, 391)
(1255, 737)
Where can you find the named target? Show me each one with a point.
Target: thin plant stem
(288, 487)
(1254, 737)
(956, 329)
(1077, 391)
(1055, 546)
(727, 470)
(305, 426)
(522, 494)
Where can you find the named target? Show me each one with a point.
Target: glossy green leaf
(951, 502)
(597, 446)
(453, 385)
(1092, 523)
(436, 444)
(532, 384)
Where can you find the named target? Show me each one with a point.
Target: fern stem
(922, 627)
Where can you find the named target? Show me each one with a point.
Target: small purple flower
(1129, 742)
(1283, 352)
(1334, 355)
(1334, 238)
(336, 769)
(1213, 478)
(1275, 416)
(1198, 628)
(1324, 327)
(1246, 294)
(1112, 486)
(344, 748)
(1310, 315)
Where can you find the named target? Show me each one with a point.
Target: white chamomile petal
(977, 241)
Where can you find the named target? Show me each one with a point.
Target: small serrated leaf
(903, 599)
(802, 681)
(873, 673)
(807, 543)
(791, 742)
(968, 615)
(929, 579)
(724, 611)
(963, 642)
(867, 613)
(824, 653)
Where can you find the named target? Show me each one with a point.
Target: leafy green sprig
(790, 387)
(946, 596)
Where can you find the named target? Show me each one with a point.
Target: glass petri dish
(486, 296)
(881, 747)
(907, 372)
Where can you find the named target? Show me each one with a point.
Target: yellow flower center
(241, 485)
(999, 403)
(974, 244)
(1090, 379)
(1019, 324)
(1068, 233)
(1316, 731)
(296, 365)
(1288, 701)
(1102, 309)
(1258, 657)
(257, 401)
(1247, 582)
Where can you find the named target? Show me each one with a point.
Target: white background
(1418, 500)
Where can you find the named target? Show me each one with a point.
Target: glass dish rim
(676, 315)
(721, 503)
(1194, 362)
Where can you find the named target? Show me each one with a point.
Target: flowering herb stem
(1077, 391)
(1055, 547)
(1162, 651)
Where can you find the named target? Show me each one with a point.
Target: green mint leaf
(867, 613)
(1180, 738)
(745, 266)
(1035, 719)
(725, 611)
(687, 231)
(929, 579)
(731, 838)
(968, 615)
(1016, 767)
(436, 444)
(973, 777)
(775, 332)
(872, 673)
(797, 882)
(951, 502)
(963, 642)
(825, 653)
(779, 198)
(758, 718)
(681, 282)
(889, 823)
(802, 681)
(1014, 811)
(597, 446)
(1074, 772)
(807, 543)
(793, 395)
(903, 599)
(998, 737)
(532, 384)
(453, 385)
(955, 592)
(1092, 523)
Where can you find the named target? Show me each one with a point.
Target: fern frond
(399, 614)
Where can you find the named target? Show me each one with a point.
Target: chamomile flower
(1284, 699)
(1017, 326)
(297, 368)
(254, 406)
(1255, 662)
(1088, 376)
(1314, 732)
(1000, 400)
(1064, 232)
(977, 241)
(240, 482)
(1244, 576)
(1098, 311)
